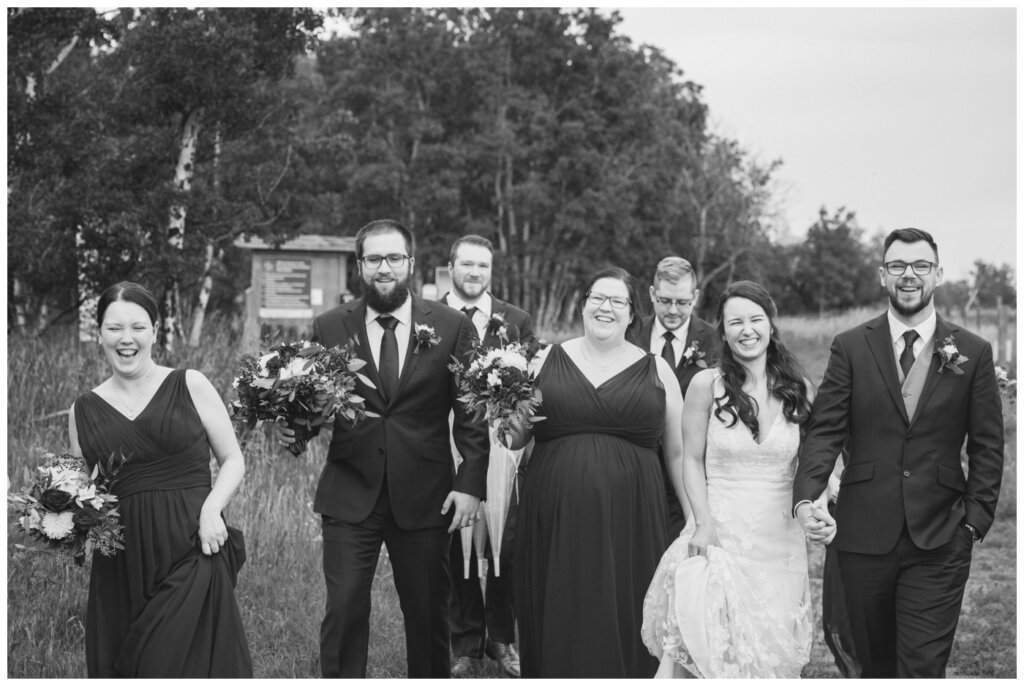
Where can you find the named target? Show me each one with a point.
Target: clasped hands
(818, 525)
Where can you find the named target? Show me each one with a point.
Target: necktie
(470, 311)
(907, 356)
(388, 366)
(668, 352)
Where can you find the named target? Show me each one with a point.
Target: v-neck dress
(592, 522)
(160, 608)
(744, 610)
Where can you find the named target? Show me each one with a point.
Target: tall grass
(280, 589)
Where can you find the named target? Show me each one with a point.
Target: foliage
(992, 282)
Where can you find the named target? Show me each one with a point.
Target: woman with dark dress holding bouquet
(165, 605)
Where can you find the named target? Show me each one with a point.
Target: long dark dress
(592, 522)
(160, 608)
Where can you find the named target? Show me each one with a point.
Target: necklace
(132, 409)
(601, 367)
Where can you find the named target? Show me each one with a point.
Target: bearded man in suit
(902, 392)
(390, 478)
(484, 626)
(687, 343)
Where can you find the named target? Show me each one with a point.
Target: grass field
(280, 589)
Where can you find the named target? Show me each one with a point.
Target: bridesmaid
(165, 605)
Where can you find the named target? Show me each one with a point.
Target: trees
(833, 263)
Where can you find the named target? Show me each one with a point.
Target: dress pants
(474, 616)
(419, 560)
(904, 605)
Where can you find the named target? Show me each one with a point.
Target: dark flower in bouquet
(499, 387)
(303, 383)
(69, 508)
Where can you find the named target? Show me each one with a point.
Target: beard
(909, 309)
(387, 302)
(460, 286)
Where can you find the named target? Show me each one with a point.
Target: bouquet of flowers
(498, 386)
(303, 383)
(70, 508)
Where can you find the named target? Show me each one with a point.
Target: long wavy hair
(785, 377)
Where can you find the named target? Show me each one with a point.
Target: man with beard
(389, 479)
(687, 343)
(904, 390)
(484, 625)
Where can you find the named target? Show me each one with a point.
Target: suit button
(380, 451)
(909, 438)
(906, 474)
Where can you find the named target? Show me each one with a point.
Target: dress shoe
(462, 667)
(505, 655)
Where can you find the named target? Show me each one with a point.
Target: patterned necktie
(668, 352)
(907, 356)
(388, 366)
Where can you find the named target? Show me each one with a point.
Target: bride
(731, 596)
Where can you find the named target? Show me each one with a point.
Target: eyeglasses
(598, 299)
(395, 260)
(669, 302)
(921, 267)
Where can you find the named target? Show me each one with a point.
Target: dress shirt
(484, 305)
(678, 343)
(375, 332)
(925, 332)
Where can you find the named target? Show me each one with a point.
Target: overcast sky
(906, 116)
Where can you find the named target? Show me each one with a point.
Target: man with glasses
(903, 391)
(687, 343)
(389, 479)
(484, 625)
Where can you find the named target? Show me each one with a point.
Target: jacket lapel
(879, 340)
(942, 331)
(355, 327)
(420, 315)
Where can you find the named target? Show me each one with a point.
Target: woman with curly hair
(731, 596)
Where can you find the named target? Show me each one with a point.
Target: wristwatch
(970, 527)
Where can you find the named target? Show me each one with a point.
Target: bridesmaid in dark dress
(592, 518)
(165, 605)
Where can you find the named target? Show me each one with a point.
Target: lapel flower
(496, 326)
(949, 356)
(693, 355)
(424, 336)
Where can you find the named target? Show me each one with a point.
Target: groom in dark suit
(484, 625)
(687, 343)
(390, 478)
(905, 389)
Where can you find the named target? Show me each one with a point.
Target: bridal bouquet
(498, 386)
(304, 383)
(69, 508)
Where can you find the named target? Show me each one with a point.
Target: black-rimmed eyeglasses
(395, 260)
(598, 299)
(921, 267)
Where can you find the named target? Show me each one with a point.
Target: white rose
(513, 359)
(950, 351)
(494, 378)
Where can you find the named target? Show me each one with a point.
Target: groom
(389, 479)
(905, 389)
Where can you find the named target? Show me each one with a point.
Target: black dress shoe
(462, 667)
(505, 655)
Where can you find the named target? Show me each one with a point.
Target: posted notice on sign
(285, 289)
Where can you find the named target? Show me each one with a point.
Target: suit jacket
(519, 323)
(904, 469)
(409, 443)
(699, 331)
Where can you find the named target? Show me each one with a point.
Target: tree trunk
(206, 282)
(172, 328)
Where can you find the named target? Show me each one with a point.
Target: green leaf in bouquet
(355, 364)
(365, 379)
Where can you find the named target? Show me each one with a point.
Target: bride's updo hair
(131, 292)
(785, 377)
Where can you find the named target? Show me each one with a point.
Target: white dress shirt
(678, 343)
(925, 333)
(375, 332)
(483, 306)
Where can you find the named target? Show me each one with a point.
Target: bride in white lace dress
(731, 597)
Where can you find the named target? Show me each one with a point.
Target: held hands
(705, 535)
(283, 436)
(818, 525)
(212, 531)
(466, 509)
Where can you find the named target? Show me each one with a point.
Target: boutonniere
(496, 326)
(424, 336)
(693, 355)
(949, 356)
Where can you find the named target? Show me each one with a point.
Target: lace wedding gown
(744, 610)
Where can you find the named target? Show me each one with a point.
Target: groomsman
(483, 626)
(687, 343)
(390, 478)
(905, 389)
